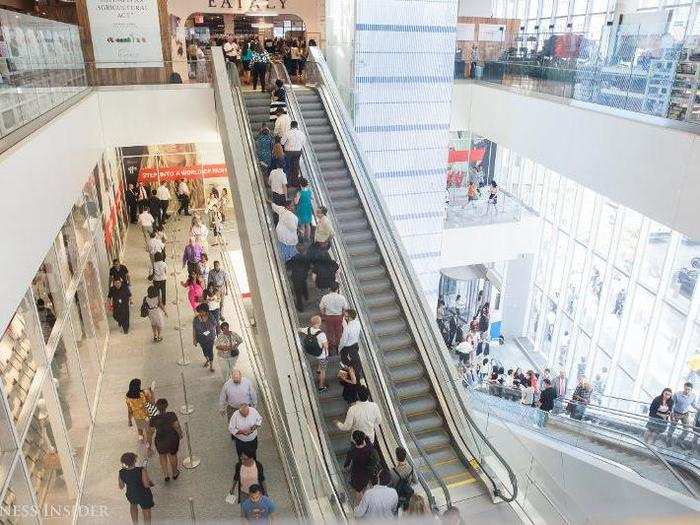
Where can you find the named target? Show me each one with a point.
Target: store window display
(86, 340)
(67, 251)
(67, 378)
(44, 464)
(16, 358)
(17, 495)
(48, 293)
(686, 265)
(95, 303)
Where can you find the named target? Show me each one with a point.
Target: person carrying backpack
(315, 343)
(403, 478)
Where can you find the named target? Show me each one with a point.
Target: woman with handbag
(167, 440)
(139, 404)
(248, 472)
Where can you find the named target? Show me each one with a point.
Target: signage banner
(491, 32)
(125, 33)
(466, 32)
(198, 171)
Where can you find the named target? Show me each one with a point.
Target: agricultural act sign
(125, 33)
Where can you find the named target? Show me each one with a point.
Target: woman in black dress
(348, 378)
(363, 462)
(138, 487)
(167, 440)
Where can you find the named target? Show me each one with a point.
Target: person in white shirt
(183, 195)
(231, 50)
(243, 426)
(199, 231)
(378, 503)
(293, 142)
(349, 341)
(154, 245)
(237, 390)
(363, 415)
(278, 185)
(333, 306)
(160, 272)
(286, 230)
(146, 222)
(314, 329)
(283, 123)
(163, 195)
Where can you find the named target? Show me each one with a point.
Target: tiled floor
(134, 355)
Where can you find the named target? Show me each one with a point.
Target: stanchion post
(191, 502)
(184, 361)
(186, 408)
(190, 461)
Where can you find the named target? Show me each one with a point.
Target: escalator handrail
(285, 295)
(408, 282)
(352, 286)
(279, 428)
(581, 428)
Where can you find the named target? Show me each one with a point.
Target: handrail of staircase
(409, 283)
(581, 428)
(389, 390)
(339, 495)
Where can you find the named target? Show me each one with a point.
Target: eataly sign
(252, 5)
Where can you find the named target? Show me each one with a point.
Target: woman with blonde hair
(417, 506)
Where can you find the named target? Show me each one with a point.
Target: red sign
(473, 155)
(198, 171)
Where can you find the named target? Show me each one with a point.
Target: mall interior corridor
(135, 355)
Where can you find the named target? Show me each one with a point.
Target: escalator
(406, 370)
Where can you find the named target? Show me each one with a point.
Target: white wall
(142, 115)
(489, 242)
(652, 169)
(475, 8)
(43, 174)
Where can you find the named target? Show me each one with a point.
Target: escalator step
(426, 423)
(396, 342)
(434, 441)
(325, 146)
(419, 405)
(408, 372)
(331, 164)
(371, 272)
(401, 357)
(359, 236)
(390, 326)
(335, 409)
(354, 225)
(413, 389)
(342, 193)
(367, 260)
(364, 248)
(337, 175)
(345, 204)
(343, 215)
(436, 458)
(376, 287)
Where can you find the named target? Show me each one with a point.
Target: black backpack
(404, 489)
(310, 342)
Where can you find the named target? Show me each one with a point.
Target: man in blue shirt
(682, 403)
(258, 508)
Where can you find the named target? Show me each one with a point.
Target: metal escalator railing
(601, 441)
(334, 490)
(408, 288)
(371, 363)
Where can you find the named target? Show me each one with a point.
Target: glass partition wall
(51, 357)
(613, 292)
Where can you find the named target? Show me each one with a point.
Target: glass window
(599, 375)
(520, 13)
(561, 258)
(679, 22)
(562, 8)
(599, 6)
(547, 8)
(578, 366)
(44, 464)
(67, 251)
(68, 380)
(545, 253)
(548, 338)
(575, 275)
(593, 290)
(567, 204)
(92, 210)
(622, 384)
(86, 341)
(617, 296)
(578, 23)
(17, 496)
(48, 293)
(689, 373)
(606, 227)
(533, 9)
(685, 273)
(586, 216)
(580, 7)
(533, 325)
(664, 350)
(558, 358)
(633, 345)
(539, 189)
(629, 238)
(17, 360)
(657, 243)
(97, 304)
(552, 194)
(81, 224)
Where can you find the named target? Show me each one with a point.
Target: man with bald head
(238, 390)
